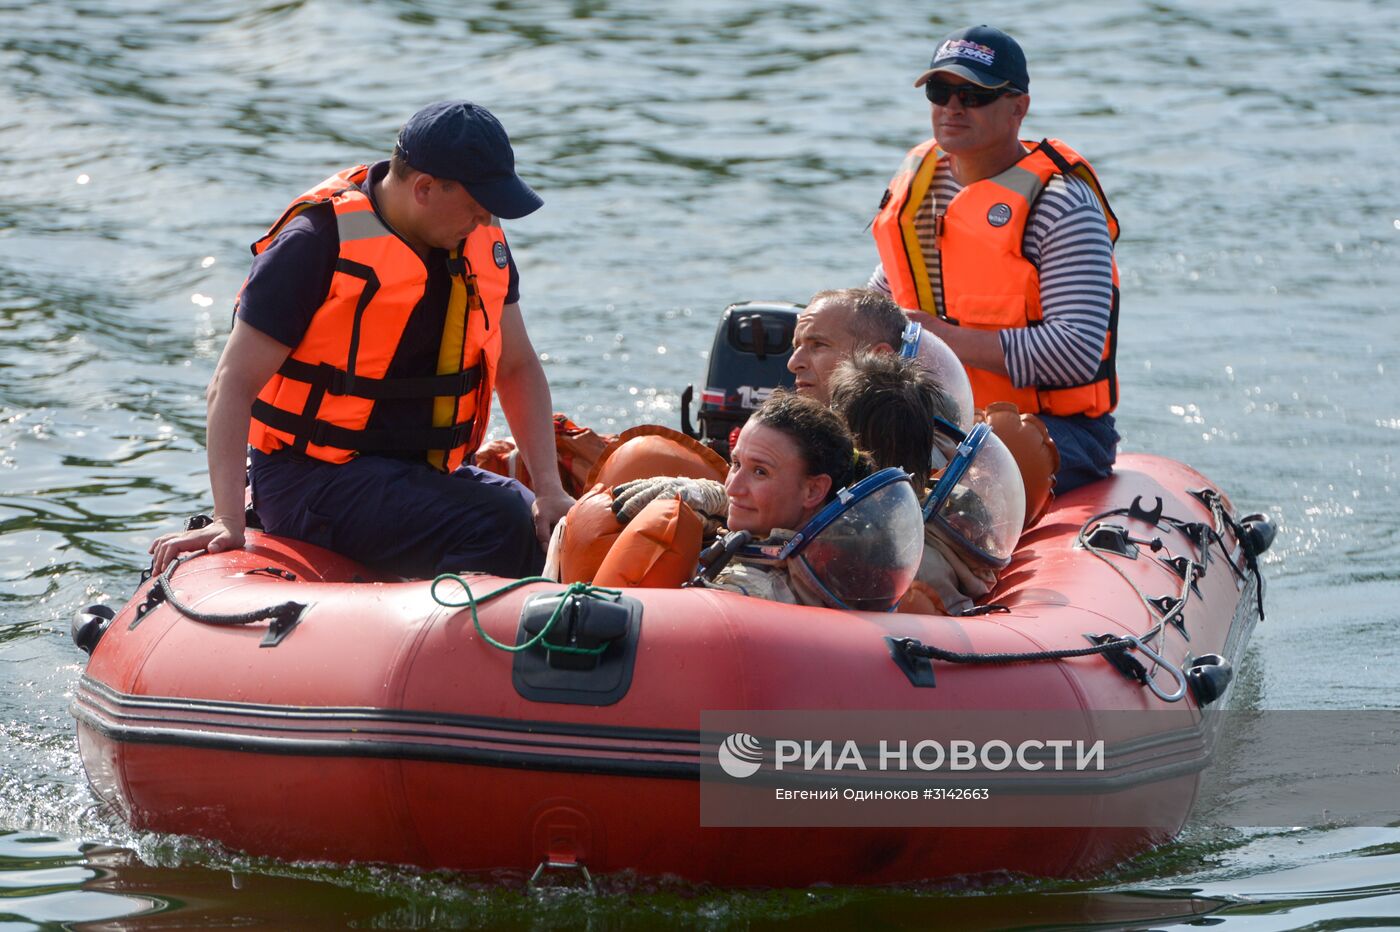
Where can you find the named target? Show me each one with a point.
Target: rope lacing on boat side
(1166, 609)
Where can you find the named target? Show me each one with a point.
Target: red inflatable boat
(282, 701)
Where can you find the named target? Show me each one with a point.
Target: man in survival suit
(1004, 249)
(836, 325)
(381, 311)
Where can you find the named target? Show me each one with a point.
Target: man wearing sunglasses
(1004, 249)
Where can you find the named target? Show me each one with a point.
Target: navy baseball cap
(460, 141)
(983, 55)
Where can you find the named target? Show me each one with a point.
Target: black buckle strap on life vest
(310, 430)
(336, 381)
(1108, 368)
(371, 288)
(1084, 173)
(459, 266)
(1054, 155)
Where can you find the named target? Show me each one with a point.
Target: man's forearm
(980, 349)
(227, 447)
(527, 405)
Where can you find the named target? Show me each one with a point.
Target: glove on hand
(706, 496)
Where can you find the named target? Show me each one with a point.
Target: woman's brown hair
(822, 439)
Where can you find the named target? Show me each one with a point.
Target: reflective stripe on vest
(321, 399)
(987, 283)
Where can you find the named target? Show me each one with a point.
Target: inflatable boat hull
(377, 725)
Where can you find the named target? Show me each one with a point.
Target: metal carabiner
(1161, 661)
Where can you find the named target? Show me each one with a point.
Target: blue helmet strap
(949, 429)
(844, 500)
(909, 340)
(776, 550)
(968, 448)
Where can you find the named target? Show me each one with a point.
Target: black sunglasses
(969, 95)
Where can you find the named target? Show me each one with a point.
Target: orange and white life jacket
(321, 399)
(987, 283)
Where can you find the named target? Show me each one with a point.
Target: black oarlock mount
(1209, 675)
(919, 670)
(1124, 662)
(90, 624)
(285, 617)
(1114, 538)
(1135, 510)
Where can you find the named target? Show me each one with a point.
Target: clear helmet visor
(983, 509)
(945, 449)
(942, 363)
(866, 557)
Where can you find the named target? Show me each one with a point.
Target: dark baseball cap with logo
(460, 141)
(984, 55)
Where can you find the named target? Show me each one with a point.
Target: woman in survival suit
(824, 531)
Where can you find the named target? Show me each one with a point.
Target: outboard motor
(747, 361)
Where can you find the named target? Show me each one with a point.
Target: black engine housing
(747, 361)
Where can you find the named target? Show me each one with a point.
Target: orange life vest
(987, 283)
(658, 549)
(320, 401)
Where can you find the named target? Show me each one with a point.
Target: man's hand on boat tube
(249, 359)
(215, 537)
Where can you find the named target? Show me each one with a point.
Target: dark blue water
(690, 156)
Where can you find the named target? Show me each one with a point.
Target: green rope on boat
(578, 589)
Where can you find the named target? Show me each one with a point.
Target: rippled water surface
(692, 155)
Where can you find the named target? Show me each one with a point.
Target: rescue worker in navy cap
(1003, 248)
(380, 314)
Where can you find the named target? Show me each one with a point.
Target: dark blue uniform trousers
(1088, 446)
(399, 516)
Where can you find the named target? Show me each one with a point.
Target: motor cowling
(748, 359)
